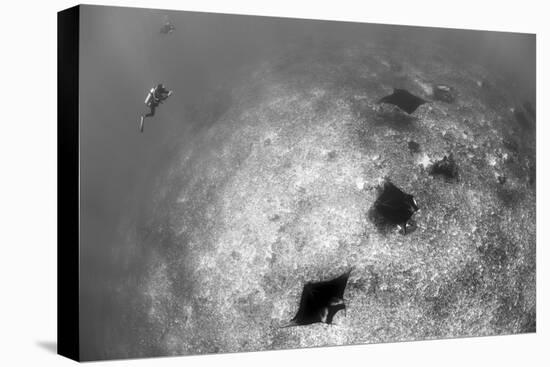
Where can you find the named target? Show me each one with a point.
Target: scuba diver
(154, 98)
(167, 27)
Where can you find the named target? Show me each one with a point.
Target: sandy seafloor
(276, 192)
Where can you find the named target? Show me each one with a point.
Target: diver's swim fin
(141, 124)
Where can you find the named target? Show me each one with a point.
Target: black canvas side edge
(68, 23)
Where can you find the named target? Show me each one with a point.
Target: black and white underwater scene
(252, 183)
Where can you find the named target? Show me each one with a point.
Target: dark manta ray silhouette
(320, 301)
(395, 206)
(404, 100)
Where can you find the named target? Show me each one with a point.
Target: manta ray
(320, 301)
(396, 206)
(404, 100)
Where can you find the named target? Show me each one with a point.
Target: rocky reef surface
(277, 192)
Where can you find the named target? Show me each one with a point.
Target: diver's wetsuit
(159, 94)
(156, 96)
(153, 107)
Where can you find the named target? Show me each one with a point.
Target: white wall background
(28, 181)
